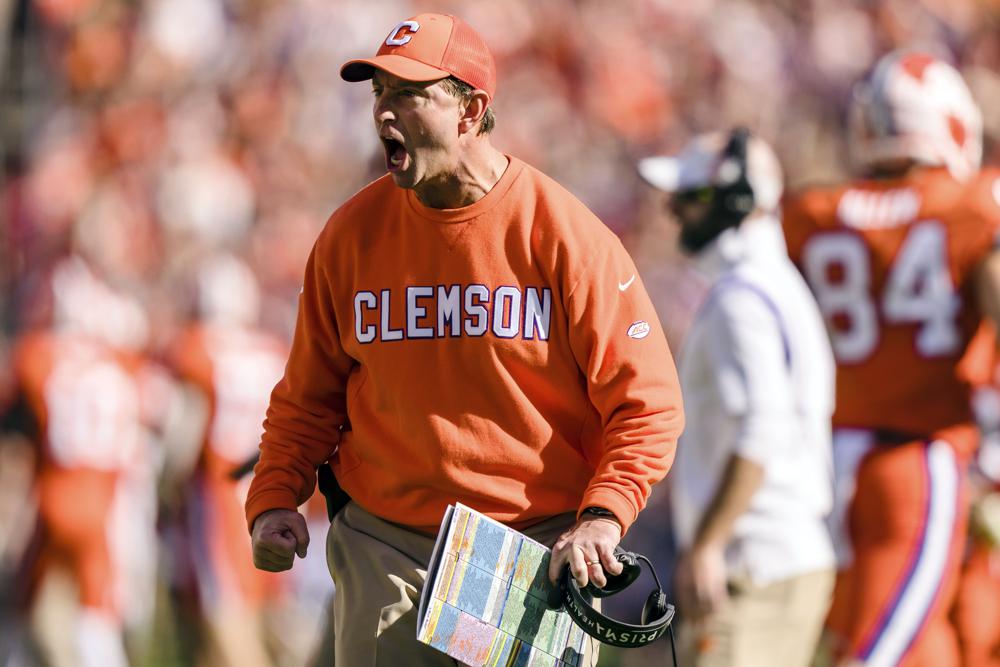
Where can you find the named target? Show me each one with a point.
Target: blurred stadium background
(169, 162)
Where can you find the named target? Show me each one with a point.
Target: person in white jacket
(753, 477)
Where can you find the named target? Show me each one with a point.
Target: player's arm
(988, 286)
(184, 422)
(984, 198)
(20, 440)
(18, 460)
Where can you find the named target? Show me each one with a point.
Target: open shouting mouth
(395, 154)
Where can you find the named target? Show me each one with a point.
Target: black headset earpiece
(737, 145)
(656, 617)
(656, 607)
(737, 194)
(618, 582)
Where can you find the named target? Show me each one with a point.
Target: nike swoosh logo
(625, 285)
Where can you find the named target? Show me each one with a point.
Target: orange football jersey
(892, 263)
(86, 400)
(236, 369)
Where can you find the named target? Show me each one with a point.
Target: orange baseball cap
(428, 47)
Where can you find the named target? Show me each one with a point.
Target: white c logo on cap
(394, 40)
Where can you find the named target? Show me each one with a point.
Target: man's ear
(475, 109)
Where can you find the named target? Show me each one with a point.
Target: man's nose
(382, 110)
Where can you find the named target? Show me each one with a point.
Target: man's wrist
(708, 543)
(600, 512)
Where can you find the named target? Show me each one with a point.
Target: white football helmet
(916, 106)
(227, 291)
(84, 304)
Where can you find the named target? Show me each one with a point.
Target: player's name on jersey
(878, 210)
(451, 311)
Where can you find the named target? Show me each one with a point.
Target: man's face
(417, 123)
(690, 209)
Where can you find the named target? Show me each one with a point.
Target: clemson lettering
(450, 311)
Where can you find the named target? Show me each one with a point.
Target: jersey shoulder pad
(805, 212)
(813, 206)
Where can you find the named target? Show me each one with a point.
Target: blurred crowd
(167, 166)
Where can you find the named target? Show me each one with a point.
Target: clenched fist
(278, 535)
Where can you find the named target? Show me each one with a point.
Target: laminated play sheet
(486, 598)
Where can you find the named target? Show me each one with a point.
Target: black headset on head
(730, 194)
(656, 617)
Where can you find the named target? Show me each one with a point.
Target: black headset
(731, 197)
(736, 196)
(656, 617)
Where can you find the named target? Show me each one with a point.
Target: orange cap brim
(405, 68)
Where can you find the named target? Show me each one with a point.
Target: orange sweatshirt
(504, 355)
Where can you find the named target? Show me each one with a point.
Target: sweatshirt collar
(466, 213)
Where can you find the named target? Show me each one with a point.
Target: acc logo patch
(638, 329)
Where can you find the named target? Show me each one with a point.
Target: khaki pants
(777, 625)
(379, 570)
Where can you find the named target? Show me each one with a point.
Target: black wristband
(600, 511)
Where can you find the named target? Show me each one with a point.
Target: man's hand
(701, 581)
(278, 535)
(586, 547)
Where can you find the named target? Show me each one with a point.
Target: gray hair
(463, 91)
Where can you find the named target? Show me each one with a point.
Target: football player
(903, 265)
(225, 358)
(88, 388)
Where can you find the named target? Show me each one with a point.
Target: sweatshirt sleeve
(308, 406)
(622, 351)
